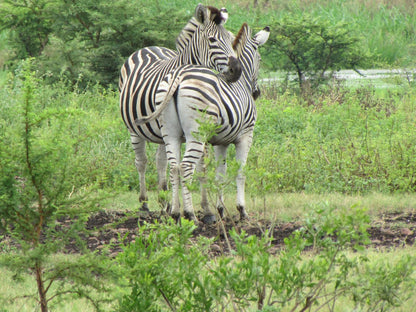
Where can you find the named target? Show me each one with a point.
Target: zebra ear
(224, 15)
(204, 14)
(262, 36)
(200, 13)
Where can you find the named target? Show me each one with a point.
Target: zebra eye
(212, 39)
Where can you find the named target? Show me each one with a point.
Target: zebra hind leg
(242, 147)
(193, 157)
(187, 170)
(175, 180)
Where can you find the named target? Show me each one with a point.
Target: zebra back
(210, 45)
(231, 106)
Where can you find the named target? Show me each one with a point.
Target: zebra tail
(162, 106)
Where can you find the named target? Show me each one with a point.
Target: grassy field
(347, 144)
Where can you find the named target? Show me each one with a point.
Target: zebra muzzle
(256, 94)
(234, 70)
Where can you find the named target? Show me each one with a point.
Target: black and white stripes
(191, 93)
(204, 41)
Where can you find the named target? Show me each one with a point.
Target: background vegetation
(91, 39)
(64, 151)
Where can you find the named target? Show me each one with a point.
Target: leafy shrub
(321, 263)
(349, 141)
(312, 47)
(41, 182)
(163, 269)
(89, 39)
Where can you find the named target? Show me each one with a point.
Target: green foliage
(31, 24)
(323, 262)
(340, 140)
(41, 182)
(164, 270)
(311, 47)
(89, 38)
(382, 290)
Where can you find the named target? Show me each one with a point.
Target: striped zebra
(192, 93)
(203, 41)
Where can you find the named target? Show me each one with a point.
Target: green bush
(164, 270)
(321, 263)
(311, 47)
(89, 39)
(43, 180)
(346, 140)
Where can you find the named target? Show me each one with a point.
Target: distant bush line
(88, 41)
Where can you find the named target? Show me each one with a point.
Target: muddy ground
(389, 230)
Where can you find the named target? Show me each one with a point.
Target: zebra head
(205, 41)
(247, 51)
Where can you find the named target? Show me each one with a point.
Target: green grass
(285, 207)
(292, 206)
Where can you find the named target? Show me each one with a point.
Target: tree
(31, 25)
(39, 185)
(311, 47)
(88, 38)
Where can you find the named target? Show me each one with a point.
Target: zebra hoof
(243, 214)
(144, 207)
(243, 217)
(209, 219)
(190, 216)
(168, 208)
(220, 210)
(176, 217)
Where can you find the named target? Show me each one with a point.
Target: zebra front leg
(221, 159)
(242, 147)
(139, 147)
(161, 166)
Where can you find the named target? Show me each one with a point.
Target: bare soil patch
(112, 229)
(389, 230)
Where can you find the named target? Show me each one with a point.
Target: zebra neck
(245, 77)
(187, 56)
(185, 36)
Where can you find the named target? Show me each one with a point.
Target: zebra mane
(241, 38)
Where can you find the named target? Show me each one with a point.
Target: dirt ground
(390, 230)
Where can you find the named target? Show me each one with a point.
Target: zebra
(203, 41)
(189, 92)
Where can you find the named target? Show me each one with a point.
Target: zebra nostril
(256, 94)
(234, 69)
